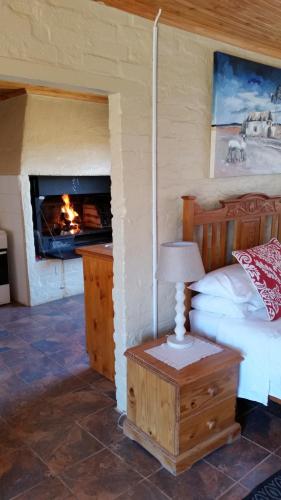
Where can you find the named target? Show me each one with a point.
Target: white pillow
(220, 305)
(230, 282)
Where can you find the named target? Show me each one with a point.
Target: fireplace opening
(69, 212)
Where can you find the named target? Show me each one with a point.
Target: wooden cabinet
(98, 284)
(181, 415)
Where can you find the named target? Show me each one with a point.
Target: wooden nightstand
(181, 415)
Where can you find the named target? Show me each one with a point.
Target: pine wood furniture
(239, 223)
(181, 415)
(98, 284)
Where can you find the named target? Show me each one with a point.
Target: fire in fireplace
(69, 221)
(69, 212)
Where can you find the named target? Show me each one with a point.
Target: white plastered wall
(87, 45)
(12, 112)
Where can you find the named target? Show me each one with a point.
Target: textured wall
(65, 135)
(12, 112)
(87, 45)
(61, 137)
(11, 220)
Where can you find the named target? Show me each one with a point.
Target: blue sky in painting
(242, 86)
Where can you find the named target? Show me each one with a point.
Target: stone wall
(88, 45)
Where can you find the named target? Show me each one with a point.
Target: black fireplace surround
(57, 234)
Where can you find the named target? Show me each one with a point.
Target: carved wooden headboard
(239, 223)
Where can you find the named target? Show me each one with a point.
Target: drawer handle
(212, 391)
(211, 424)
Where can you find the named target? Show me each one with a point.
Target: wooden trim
(183, 461)
(27, 88)
(251, 29)
(188, 374)
(103, 251)
(248, 213)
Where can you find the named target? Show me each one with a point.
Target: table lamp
(180, 262)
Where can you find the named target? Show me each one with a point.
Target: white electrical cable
(154, 176)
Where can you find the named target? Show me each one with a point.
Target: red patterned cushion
(263, 266)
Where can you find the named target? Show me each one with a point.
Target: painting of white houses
(246, 118)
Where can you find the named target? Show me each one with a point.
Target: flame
(70, 214)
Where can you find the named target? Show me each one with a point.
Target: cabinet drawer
(206, 392)
(194, 430)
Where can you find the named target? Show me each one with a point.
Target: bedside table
(180, 416)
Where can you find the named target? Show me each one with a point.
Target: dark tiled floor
(59, 433)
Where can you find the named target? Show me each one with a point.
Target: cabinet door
(98, 278)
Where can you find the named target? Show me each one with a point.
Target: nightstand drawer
(194, 430)
(207, 392)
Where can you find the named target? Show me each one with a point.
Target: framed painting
(246, 118)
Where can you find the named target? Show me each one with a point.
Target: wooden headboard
(239, 223)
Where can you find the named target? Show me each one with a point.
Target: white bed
(257, 339)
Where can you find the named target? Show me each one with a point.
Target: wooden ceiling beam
(252, 26)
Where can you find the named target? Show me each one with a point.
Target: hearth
(69, 212)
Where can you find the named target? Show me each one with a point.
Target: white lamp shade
(180, 261)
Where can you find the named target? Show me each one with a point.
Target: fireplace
(69, 212)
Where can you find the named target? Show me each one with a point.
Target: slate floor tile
(14, 393)
(49, 489)
(263, 428)
(201, 482)
(105, 386)
(42, 369)
(20, 470)
(237, 492)
(79, 403)
(17, 357)
(89, 376)
(104, 474)
(135, 456)
(265, 469)
(10, 341)
(47, 346)
(238, 458)
(143, 491)
(104, 426)
(8, 440)
(70, 447)
(47, 423)
(74, 360)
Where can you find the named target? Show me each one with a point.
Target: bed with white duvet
(228, 309)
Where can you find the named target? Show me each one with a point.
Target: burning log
(91, 217)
